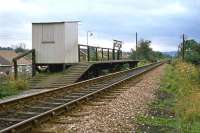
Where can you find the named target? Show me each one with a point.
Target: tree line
(19, 48)
(190, 52)
(145, 52)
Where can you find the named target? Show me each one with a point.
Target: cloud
(21, 6)
(170, 9)
(157, 20)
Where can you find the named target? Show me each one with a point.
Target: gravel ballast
(115, 112)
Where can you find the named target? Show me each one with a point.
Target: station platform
(77, 72)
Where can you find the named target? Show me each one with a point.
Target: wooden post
(15, 69)
(108, 54)
(96, 54)
(88, 52)
(33, 63)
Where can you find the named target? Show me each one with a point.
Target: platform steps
(54, 80)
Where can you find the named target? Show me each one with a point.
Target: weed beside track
(176, 107)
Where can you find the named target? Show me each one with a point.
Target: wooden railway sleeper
(40, 107)
(11, 119)
(51, 103)
(95, 90)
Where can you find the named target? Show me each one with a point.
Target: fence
(92, 53)
(7, 71)
(19, 57)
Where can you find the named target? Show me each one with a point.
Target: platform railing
(21, 56)
(92, 53)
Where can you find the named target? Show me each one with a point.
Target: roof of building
(8, 55)
(3, 61)
(55, 22)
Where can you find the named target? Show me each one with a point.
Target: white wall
(49, 52)
(59, 47)
(71, 42)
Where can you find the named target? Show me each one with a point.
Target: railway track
(21, 114)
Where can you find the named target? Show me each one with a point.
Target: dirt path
(113, 113)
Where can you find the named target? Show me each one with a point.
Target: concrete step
(53, 80)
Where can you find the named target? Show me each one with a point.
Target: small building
(4, 66)
(55, 42)
(6, 63)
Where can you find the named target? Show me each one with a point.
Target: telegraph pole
(136, 43)
(136, 38)
(183, 48)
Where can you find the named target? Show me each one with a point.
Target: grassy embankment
(177, 104)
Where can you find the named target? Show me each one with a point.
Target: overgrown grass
(188, 97)
(12, 87)
(182, 83)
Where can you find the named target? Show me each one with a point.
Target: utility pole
(136, 38)
(136, 41)
(183, 48)
(179, 49)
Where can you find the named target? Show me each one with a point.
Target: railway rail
(21, 114)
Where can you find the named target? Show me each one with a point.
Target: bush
(12, 87)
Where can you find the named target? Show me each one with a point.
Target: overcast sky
(161, 21)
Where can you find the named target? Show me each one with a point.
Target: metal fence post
(108, 54)
(113, 54)
(79, 58)
(88, 52)
(96, 54)
(117, 54)
(101, 53)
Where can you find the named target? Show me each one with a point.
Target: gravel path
(113, 113)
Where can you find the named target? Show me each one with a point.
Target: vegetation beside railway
(10, 86)
(177, 107)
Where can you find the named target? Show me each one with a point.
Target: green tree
(20, 48)
(6, 48)
(159, 55)
(192, 51)
(145, 52)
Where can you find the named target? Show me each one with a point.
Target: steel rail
(89, 81)
(128, 74)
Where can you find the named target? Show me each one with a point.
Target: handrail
(83, 52)
(23, 54)
(113, 51)
(32, 51)
(95, 46)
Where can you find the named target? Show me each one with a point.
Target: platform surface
(71, 74)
